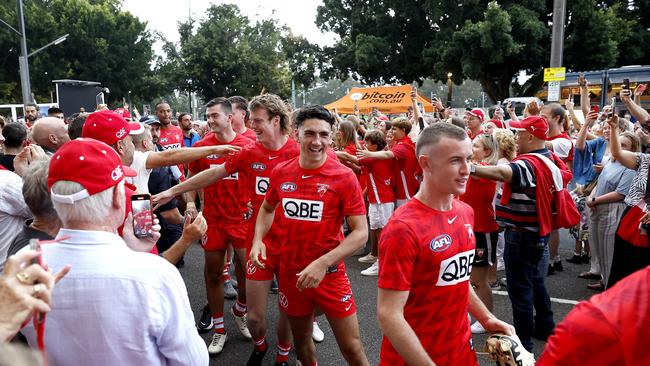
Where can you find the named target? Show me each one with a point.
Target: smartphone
(626, 84)
(35, 245)
(611, 112)
(142, 215)
(595, 108)
(641, 88)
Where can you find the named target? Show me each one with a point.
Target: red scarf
(544, 189)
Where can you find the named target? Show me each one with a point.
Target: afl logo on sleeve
(261, 185)
(456, 269)
(304, 210)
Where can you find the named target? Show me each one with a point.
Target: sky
(298, 15)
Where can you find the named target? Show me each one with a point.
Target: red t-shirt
(313, 203)
(407, 169)
(479, 194)
(171, 137)
(352, 150)
(569, 155)
(380, 179)
(226, 200)
(611, 328)
(430, 253)
(250, 134)
(256, 163)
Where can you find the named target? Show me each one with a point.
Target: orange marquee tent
(388, 99)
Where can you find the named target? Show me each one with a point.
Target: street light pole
(23, 65)
(449, 88)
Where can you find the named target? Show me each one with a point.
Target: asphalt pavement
(565, 288)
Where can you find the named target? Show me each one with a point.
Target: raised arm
(639, 113)
(584, 95)
(170, 157)
(502, 173)
(627, 158)
(581, 141)
(201, 180)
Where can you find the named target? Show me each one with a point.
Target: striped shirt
(521, 210)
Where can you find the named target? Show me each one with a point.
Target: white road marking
(561, 301)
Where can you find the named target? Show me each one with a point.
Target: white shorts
(379, 213)
(400, 203)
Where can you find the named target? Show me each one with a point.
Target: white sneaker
(508, 351)
(242, 324)
(477, 328)
(316, 333)
(373, 270)
(217, 343)
(369, 258)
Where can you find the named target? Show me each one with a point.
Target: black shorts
(486, 254)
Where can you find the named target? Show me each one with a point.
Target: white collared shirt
(13, 211)
(116, 306)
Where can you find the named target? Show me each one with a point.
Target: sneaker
(558, 266)
(576, 259)
(369, 258)
(477, 328)
(373, 270)
(274, 286)
(217, 343)
(551, 270)
(586, 259)
(242, 324)
(256, 357)
(317, 334)
(495, 285)
(229, 291)
(508, 351)
(205, 321)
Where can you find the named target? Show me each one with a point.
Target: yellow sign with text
(554, 73)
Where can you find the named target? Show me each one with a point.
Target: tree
(303, 59)
(105, 44)
(229, 56)
(402, 41)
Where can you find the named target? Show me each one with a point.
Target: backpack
(566, 213)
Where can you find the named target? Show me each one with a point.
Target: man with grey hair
(45, 224)
(109, 281)
(50, 133)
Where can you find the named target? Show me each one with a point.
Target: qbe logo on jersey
(261, 185)
(456, 269)
(304, 210)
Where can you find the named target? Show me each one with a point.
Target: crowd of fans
(478, 193)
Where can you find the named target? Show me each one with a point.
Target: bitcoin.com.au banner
(388, 99)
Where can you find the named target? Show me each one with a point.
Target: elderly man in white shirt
(116, 306)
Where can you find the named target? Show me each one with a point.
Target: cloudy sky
(299, 15)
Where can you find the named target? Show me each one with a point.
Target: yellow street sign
(554, 73)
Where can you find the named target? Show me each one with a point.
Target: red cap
(535, 125)
(498, 123)
(123, 112)
(91, 163)
(477, 112)
(383, 118)
(109, 127)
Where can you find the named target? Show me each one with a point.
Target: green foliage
(402, 41)
(230, 55)
(105, 44)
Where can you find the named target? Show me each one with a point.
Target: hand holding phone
(626, 84)
(142, 215)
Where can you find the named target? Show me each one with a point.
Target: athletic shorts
(400, 203)
(333, 295)
(486, 249)
(379, 214)
(218, 238)
(271, 267)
